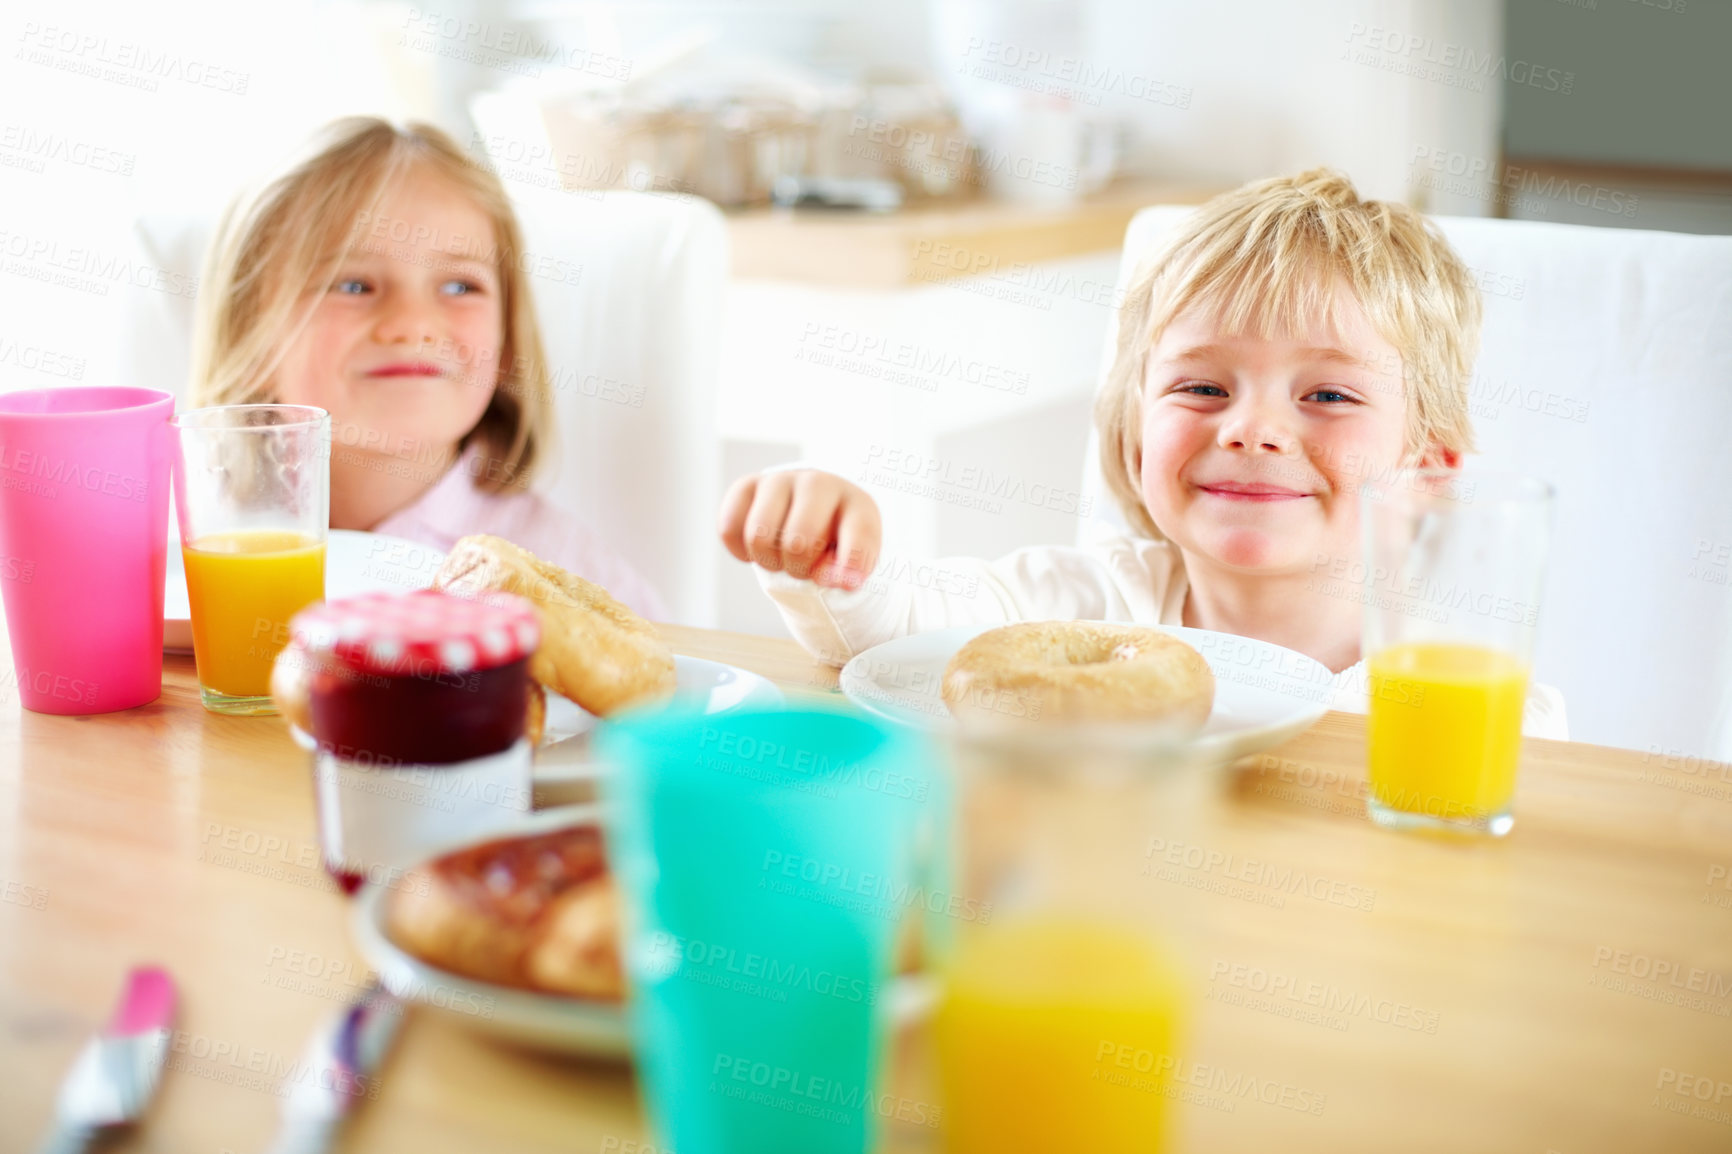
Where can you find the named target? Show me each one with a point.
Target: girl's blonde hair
(281, 245)
(1265, 259)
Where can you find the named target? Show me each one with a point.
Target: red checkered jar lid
(422, 634)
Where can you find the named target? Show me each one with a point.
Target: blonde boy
(1290, 341)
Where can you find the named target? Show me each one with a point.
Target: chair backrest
(629, 290)
(1605, 367)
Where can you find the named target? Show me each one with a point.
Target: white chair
(628, 288)
(1605, 367)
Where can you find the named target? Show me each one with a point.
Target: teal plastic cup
(767, 862)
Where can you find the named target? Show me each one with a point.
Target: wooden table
(1484, 997)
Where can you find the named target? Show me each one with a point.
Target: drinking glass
(1454, 564)
(1068, 982)
(84, 543)
(252, 488)
(766, 861)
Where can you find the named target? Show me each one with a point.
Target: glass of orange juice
(1067, 983)
(252, 492)
(1454, 565)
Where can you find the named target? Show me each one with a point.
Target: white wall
(1278, 86)
(113, 110)
(935, 398)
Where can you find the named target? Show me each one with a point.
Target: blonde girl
(380, 276)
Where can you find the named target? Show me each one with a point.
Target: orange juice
(1057, 1034)
(1445, 728)
(244, 587)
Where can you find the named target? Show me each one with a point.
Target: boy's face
(403, 348)
(1253, 449)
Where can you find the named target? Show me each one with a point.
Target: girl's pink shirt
(455, 508)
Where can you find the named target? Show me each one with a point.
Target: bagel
(593, 649)
(1079, 671)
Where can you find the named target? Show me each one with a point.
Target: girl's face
(403, 348)
(1253, 449)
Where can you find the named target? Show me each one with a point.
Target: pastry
(537, 912)
(593, 649)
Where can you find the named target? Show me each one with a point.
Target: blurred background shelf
(940, 241)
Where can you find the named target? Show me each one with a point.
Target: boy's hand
(814, 525)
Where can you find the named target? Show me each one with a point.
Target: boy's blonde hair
(1265, 259)
(281, 245)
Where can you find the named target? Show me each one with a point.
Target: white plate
(567, 1025)
(355, 563)
(545, 1021)
(1264, 694)
(709, 685)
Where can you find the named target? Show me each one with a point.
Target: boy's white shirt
(1117, 578)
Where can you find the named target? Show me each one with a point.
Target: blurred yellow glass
(1065, 1002)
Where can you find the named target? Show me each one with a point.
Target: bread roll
(593, 649)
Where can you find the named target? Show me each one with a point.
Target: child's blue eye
(1333, 397)
(459, 288)
(1197, 388)
(349, 287)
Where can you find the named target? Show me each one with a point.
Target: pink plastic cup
(83, 543)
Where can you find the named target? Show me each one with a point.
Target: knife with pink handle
(116, 1074)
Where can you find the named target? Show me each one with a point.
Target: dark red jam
(419, 719)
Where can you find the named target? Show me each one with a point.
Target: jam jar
(418, 704)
